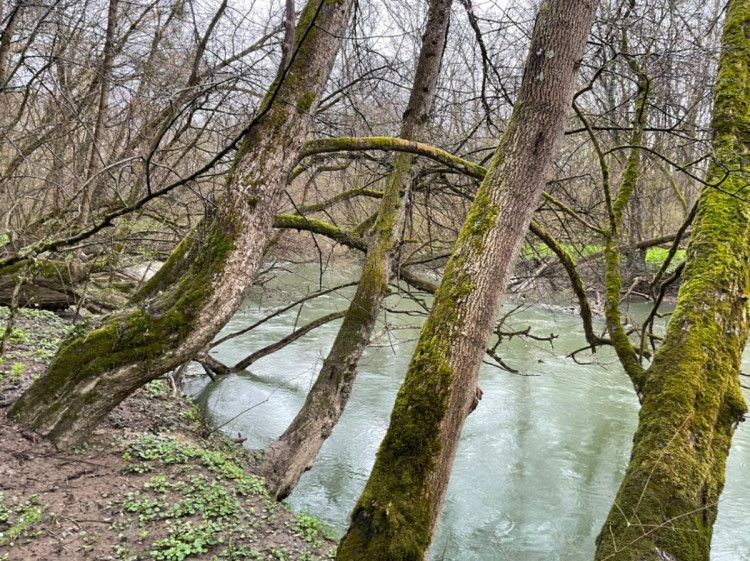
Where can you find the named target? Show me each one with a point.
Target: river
(540, 459)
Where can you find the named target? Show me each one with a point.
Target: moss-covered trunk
(691, 397)
(98, 366)
(58, 285)
(398, 511)
(616, 206)
(294, 452)
(180, 260)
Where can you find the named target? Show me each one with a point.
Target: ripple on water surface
(539, 462)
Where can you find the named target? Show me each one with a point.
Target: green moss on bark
(130, 348)
(667, 504)
(692, 400)
(134, 337)
(393, 517)
(625, 350)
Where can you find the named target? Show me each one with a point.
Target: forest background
(129, 146)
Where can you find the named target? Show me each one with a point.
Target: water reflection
(539, 461)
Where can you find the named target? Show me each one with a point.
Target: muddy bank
(153, 483)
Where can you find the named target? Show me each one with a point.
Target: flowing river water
(540, 459)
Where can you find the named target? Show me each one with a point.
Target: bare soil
(153, 483)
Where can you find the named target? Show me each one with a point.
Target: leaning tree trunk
(396, 516)
(179, 262)
(294, 452)
(692, 400)
(94, 370)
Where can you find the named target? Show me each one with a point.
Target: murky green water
(539, 461)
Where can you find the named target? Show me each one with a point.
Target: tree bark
(6, 38)
(95, 370)
(179, 261)
(692, 400)
(625, 350)
(56, 285)
(397, 514)
(287, 459)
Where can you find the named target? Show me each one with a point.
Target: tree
(294, 452)
(170, 94)
(397, 513)
(691, 396)
(98, 367)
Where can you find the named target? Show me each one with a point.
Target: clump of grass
(21, 521)
(209, 504)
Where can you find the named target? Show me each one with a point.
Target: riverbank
(155, 482)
